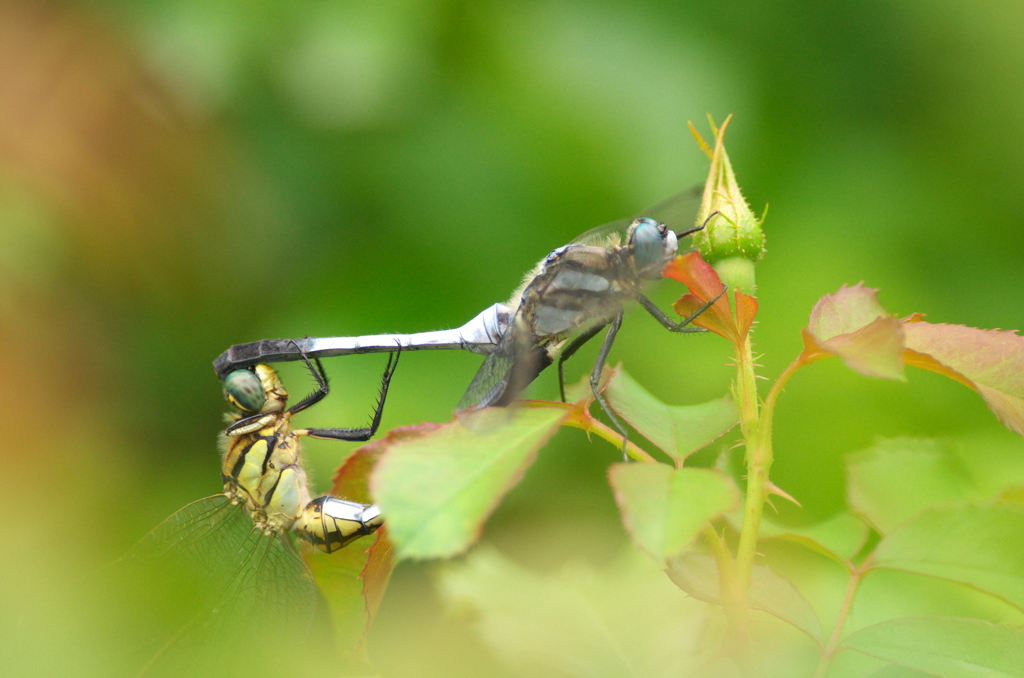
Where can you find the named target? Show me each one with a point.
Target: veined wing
(506, 372)
(677, 211)
(242, 601)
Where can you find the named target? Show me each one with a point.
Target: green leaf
(355, 579)
(663, 508)
(697, 574)
(679, 430)
(897, 479)
(622, 619)
(338, 576)
(989, 361)
(978, 545)
(943, 646)
(437, 490)
(840, 537)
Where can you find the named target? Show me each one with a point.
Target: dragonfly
(254, 587)
(571, 295)
(479, 335)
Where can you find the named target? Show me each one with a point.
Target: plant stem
(856, 577)
(758, 461)
(757, 434)
(614, 437)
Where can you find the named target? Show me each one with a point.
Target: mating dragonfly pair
(570, 296)
(240, 538)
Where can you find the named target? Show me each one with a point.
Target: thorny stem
(726, 565)
(587, 423)
(614, 437)
(758, 461)
(735, 612)
(757, 435)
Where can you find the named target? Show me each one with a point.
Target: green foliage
(181, 176)
(678, 430)
(664, 508)
(921, 518)
(957, 648)
(437, 489)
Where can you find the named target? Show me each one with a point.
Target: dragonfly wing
(677, 211)
(506, 372)
(228, 599)
(491, 380)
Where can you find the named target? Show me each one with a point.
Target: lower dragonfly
(238, 541)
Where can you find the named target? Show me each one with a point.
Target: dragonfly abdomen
(329, 523)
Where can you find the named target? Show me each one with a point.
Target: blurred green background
(179, 176)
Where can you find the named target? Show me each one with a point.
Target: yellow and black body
(262, 466)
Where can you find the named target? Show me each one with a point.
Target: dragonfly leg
(360, 434)
(570, 350)
(244, 422)
(321, 381)
(595, 380)
(671, 325)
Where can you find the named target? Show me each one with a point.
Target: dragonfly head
(653, 246)
(255, 390)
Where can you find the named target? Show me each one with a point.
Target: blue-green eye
(648, 248)
(244, 390)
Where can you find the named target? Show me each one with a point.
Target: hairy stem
(758, 462)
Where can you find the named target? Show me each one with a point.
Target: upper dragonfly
(571, 295)
(578, 289)
(479, 335)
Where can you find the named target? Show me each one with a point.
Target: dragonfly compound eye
(648, 247)
(244, 390)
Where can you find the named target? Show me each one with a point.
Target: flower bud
(732, 239)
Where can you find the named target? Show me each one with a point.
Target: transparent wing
(491, 381)
(677, 211)
(605, 234)
(229, 599)
(507, 371)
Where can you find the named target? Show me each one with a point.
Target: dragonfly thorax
(264, 469)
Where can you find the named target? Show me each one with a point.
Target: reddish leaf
(353, 608)
(746, 310)
(377, 573)
(848, 310)
(704, 285)
(352, 478)
(875, 350)
(989, 361)
(852, 325)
